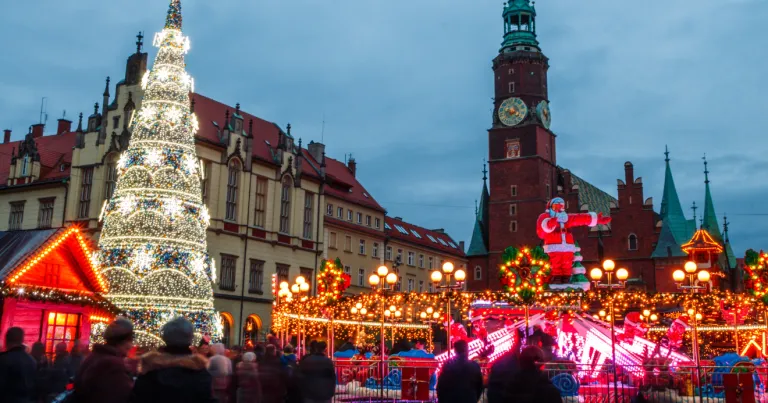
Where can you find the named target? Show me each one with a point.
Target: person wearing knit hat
(102, 376)
(175, 373)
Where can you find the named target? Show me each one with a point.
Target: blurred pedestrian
(76, 356)
(175, 373)
(17, 370)
(318, 376)
(248, 386)
(460, 380)
(103, 376)
(272, 377)
(60, 374)
(288, 359)
(43, 371)
(220, 368)
(530, 384)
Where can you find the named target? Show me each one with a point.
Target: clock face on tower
(512, 111)
(542, 110)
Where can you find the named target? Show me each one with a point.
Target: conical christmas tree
(578, 277)
(153, 248)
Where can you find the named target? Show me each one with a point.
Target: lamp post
(393, 314)
(382, 280)
(442, 280)
(299, 287)
(695, 277)
(621, 275)
(430, 316)
(284, 294)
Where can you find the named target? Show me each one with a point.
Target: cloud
(406, 86)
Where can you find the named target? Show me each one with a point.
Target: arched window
(285, 206)
(226, 328)
(632, 242)
(478, 273)
(232, 181)
(251, 330)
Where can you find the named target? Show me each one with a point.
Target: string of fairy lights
(153, 249)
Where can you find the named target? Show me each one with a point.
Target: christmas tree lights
(331, 280)
(153, 242)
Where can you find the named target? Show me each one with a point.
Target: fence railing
(375, 381)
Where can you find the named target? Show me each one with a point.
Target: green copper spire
(519, 25)
(173, 19)
(710, 219)
(675, 228)
(478, 244)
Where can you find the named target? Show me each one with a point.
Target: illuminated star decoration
(127, 204)
(154, 157)
(122, 162)
(523, 272)
(172, 207)
(142, 260)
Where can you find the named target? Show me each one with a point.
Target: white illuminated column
(153, 248)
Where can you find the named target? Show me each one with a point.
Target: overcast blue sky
(406, 87)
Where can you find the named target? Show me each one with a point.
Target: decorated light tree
(153, 241)
(331, 280)
(523, 272)
(578, 279)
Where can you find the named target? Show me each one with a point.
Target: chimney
(629, 173)
(37, 130)
(352, 165)
(398, 218)
(317, 150)
(461, 245)
(65, 126)
(6, 136)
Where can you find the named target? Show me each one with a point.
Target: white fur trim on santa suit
(544, 226)
(559, 247)
(594, 219)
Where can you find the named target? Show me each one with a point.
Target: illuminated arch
(227, 322)
(251, 329)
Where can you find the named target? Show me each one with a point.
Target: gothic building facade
(524, 175)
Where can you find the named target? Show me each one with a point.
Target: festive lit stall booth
(49, 288)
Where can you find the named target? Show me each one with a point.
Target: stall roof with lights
(702, 241)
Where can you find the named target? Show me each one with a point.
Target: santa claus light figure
(554, 228)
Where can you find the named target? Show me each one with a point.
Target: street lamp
(621, 275)
(442, 280)
(382, 280)
(299, 287)
(692, 274)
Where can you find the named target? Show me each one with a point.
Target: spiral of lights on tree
(153, 248)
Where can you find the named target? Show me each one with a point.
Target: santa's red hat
(556, 200)
(632, 319)
(682, 320)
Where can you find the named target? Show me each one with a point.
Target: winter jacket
(60, 374)
(248, 386)
(273, 379)
(17, 376)
(460, 381)
(288, 360)
(530, 386)
(318, 377)
(173, 377)
(501, 372)
(103, 378)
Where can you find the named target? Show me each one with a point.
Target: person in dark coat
(17, 370)
(318, 376)
(175, 373)
(76, 356)
(529, 384)
(273, 377)
(503, 370)
(460, 380)
(60, 374)
(43, 370)
(103, 376)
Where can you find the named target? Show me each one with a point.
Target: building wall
(31, 196)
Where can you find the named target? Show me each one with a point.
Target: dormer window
(238, 126)
(62, 167)
(25, 166)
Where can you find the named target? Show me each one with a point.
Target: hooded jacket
(169, 377)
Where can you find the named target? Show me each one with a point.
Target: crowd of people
(115, 372)
(265, 373)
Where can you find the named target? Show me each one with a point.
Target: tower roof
(478, 246)
(519, 24)
(710, 219)
(675, 228)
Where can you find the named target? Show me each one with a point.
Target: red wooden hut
(48, 286)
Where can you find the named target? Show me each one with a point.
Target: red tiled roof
(343, 184)
(53, 150)
(423, 238)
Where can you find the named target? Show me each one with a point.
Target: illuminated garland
(331, 281)
(44, 294)
(756, 282)
(523, 272)
(153, 240)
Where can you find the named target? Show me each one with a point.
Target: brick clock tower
(521, 148)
